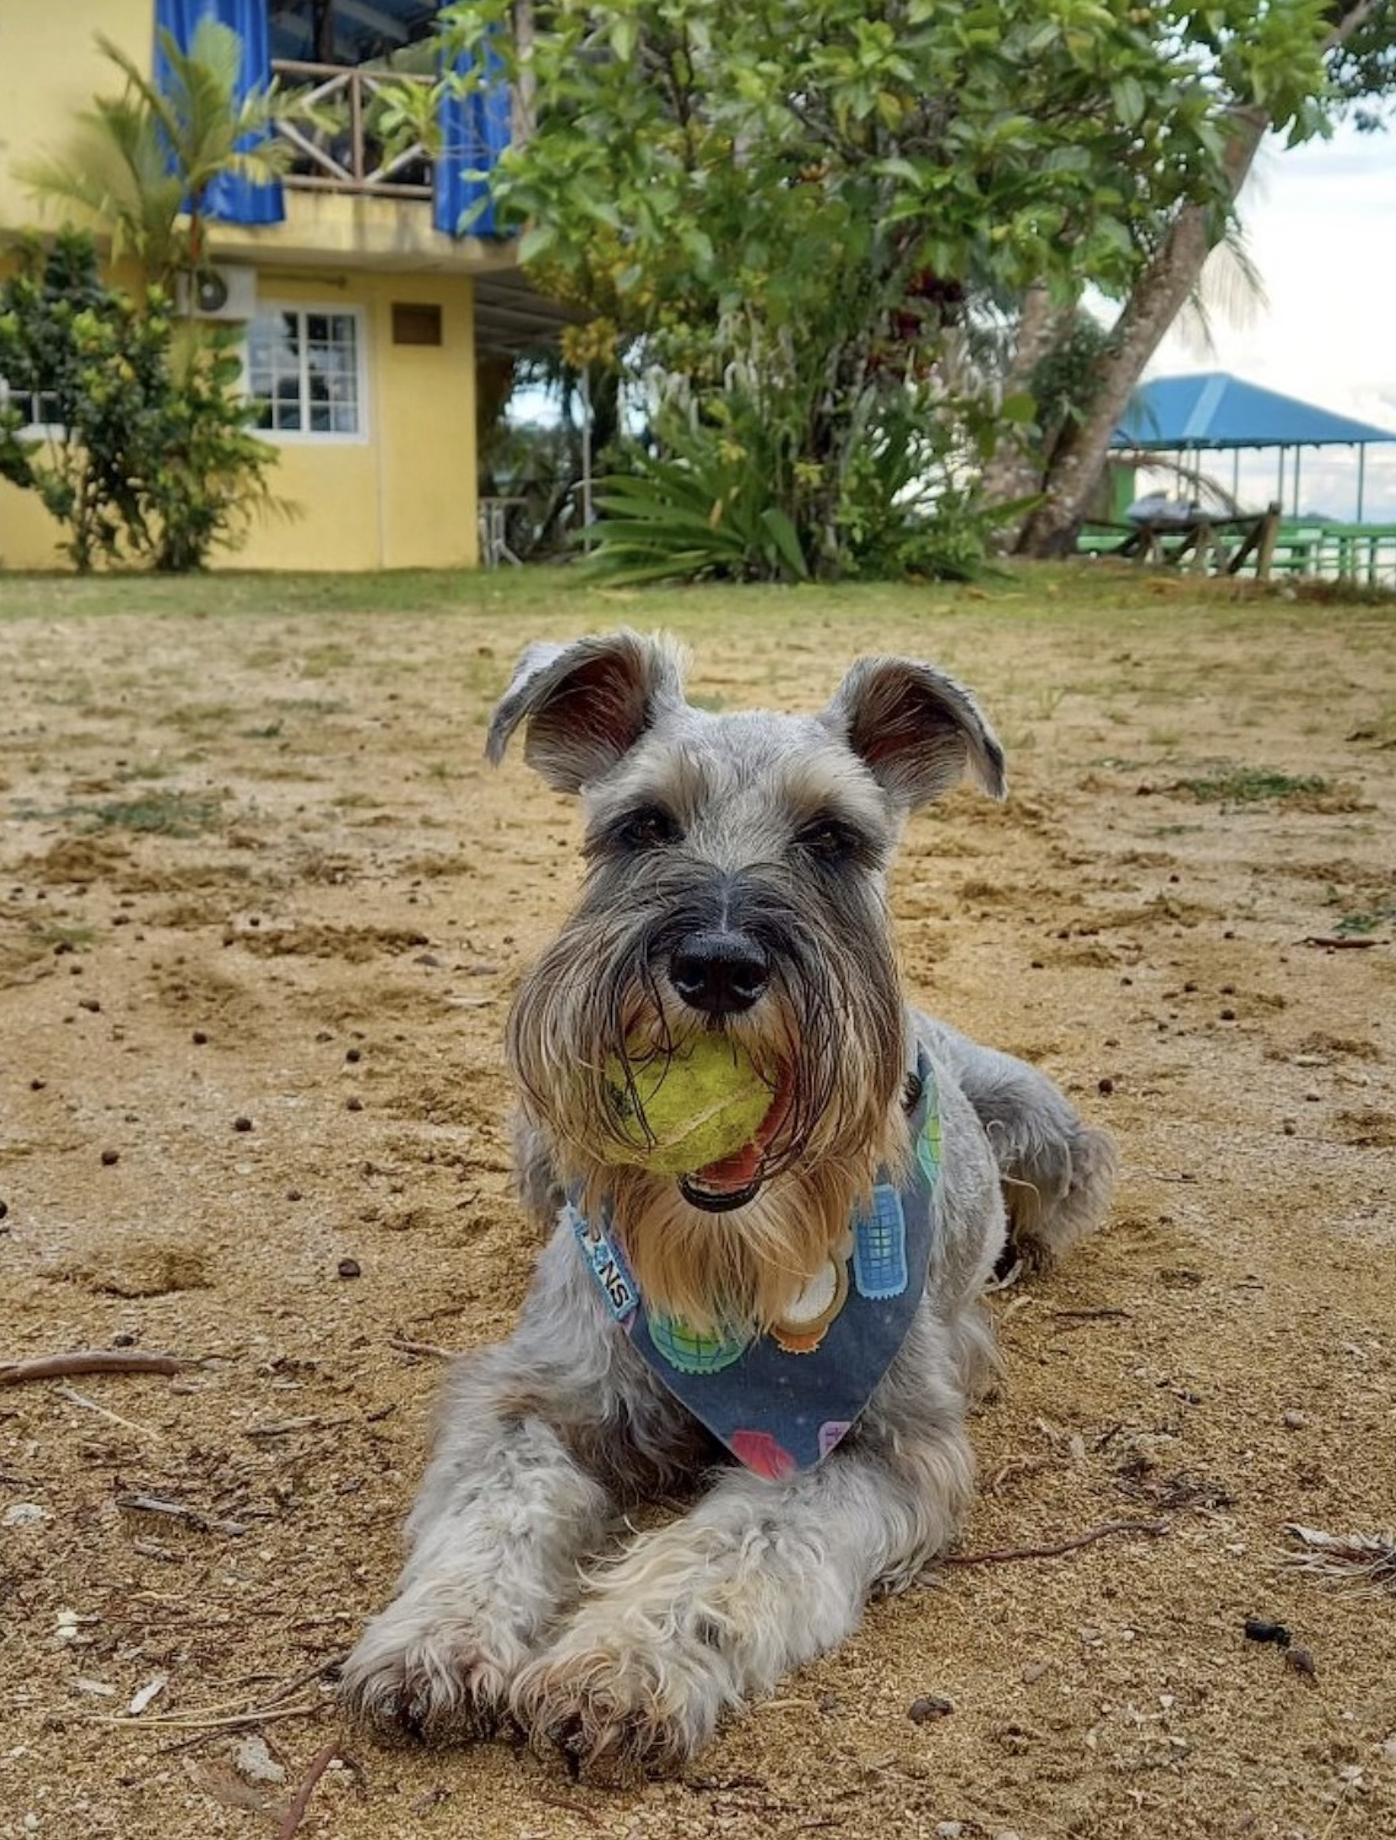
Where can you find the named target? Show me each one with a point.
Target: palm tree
(147, 160)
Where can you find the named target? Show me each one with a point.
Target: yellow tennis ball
(699, 1107)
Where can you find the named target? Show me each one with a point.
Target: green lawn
(1033, 592)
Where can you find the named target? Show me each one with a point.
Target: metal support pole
(586, 450)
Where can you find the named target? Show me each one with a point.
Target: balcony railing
(349, 152)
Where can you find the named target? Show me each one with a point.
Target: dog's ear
(917, 731)
(586, 704)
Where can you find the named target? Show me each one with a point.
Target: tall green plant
(707, 507)
(205, 475)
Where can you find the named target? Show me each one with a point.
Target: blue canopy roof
(1214, 410)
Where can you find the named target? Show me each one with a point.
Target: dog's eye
(829, 839)
(649, 828)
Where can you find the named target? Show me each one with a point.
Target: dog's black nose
(719, 973)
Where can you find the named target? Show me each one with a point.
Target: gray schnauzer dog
(799, 1321)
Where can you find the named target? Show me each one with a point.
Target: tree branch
(92, 1361)
(1005, 1554)
(319, 1764)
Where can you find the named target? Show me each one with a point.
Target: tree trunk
(1015, 471)
(1159, 295)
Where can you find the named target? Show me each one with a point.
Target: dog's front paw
(617, 1710)
(436, 1681)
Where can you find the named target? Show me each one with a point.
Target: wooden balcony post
(356, 126)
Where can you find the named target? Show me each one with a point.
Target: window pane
(302, 371)
(288, 406)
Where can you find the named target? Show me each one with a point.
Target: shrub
(723, 492)
(707, 506)
(145, 454)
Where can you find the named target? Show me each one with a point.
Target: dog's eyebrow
(837, 797)
(611, 827)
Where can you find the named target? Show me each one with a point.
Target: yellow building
(368, 330)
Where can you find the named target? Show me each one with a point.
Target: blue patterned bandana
(781, 1401)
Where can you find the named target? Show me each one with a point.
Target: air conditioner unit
(222, 292)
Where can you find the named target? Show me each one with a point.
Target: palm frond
(151, 154)
(1230, 288)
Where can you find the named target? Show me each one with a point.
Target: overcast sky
(1320, 224)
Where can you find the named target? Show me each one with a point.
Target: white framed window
(39, 409)
(306, 373)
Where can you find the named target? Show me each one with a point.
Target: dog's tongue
(742, 1167)
(736, 1171)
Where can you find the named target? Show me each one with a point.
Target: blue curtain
(474, 133)
(235, 200)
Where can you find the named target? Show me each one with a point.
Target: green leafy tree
(817, 192)
(145, 454)
(82, 351)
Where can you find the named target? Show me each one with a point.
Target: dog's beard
(740, 1271)
(836, 1053)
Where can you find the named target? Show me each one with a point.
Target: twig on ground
(1089, 1315)
(319, 1764)
(561, 1801)
(1012, 1471)
(74, 1397)
(213, 1720)
(1341, 943)
(1349, 1783)
(288, 1687)
(1002, 1557)
(289, 1427)
(236, 1707)
(204, 1721)
(91, 1361)
(177, 1510)
(432, 1349)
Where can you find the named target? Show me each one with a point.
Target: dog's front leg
(504, 1519)
(758, 1578)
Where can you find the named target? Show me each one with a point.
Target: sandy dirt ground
(262, 907)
